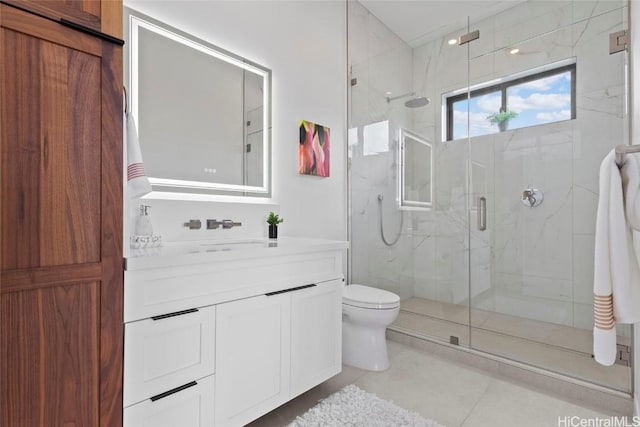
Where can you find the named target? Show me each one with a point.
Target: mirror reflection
(202, 113)
(416, 179)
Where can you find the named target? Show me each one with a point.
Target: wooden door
(99, 15)
(61, 341)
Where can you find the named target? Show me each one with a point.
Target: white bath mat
(353, 407)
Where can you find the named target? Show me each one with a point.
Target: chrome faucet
(213, 224)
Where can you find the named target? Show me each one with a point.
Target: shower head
(415, 102)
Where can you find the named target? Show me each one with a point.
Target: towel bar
(622, 150)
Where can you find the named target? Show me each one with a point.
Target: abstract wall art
(313, 151)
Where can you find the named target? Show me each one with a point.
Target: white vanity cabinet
(168, 351)
(274, 347)
(316, 335)
(220, 338)
(253, 336)
(189, 407)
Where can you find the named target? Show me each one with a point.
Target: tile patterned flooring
(558, 348)
(451, 393)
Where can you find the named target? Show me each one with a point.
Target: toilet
(366, 313)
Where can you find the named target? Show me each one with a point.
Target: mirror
(416, 177)
(202, 113)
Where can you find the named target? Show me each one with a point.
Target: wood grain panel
(32, 278)
(111, 17)
(64, 150)
(112, 292)
(49, 356)
(17, 20)
(83, 12)
(70, 166)
(20, 116)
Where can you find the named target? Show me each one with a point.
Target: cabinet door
(316, 335)
(252, 358)
(167, 351)
(189, 406)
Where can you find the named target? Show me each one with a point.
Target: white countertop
(200, 252)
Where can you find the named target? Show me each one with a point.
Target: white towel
(616, 277)
(137, 182)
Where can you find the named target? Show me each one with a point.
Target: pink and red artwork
(313, 151)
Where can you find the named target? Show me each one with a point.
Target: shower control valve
(532, 197)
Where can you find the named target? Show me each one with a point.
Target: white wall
(304, 44)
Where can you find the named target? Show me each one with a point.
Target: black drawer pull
(173, 391)
(290, 290)
(174, 314)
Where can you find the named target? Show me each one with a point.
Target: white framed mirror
(203, 113)
(416, 171)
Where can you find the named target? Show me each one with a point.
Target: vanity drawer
(191, 406)
(167, 351)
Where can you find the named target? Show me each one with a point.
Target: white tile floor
(557, 348)
(452, 394)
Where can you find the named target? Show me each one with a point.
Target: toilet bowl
(366, 313)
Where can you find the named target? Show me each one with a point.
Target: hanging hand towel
(616, 273)
(137, 182)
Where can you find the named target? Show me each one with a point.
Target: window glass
(540, 101)
(521, 101)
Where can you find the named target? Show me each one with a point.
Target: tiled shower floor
(562, 349)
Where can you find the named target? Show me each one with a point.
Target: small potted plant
(273, 220)
(502, 119)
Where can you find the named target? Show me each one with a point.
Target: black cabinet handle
(173, 391)
(174, 314)
(291, 290)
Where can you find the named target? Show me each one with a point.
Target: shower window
(521, 100)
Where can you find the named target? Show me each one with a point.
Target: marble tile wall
(381, 63)
(532, 262)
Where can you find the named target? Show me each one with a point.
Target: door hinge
(354, 81)
(454, 340)
(469, 37)
(618, 41)
(623, 356)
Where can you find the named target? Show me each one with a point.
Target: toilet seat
(368, 297)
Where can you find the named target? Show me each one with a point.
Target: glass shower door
(546, 103)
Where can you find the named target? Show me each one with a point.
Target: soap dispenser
(143, 222)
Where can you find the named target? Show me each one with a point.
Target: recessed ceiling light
(514, 51)
(453, 41)
(387, 93)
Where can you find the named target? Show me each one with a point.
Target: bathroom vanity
(220, 333)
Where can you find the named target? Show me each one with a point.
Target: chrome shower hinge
(618, 41)
(623, 356)
(469, 37)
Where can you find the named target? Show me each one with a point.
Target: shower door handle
(482, 213)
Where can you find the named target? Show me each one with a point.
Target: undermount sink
(181, 253)
(256, 243)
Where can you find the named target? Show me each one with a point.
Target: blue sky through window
(539, 101)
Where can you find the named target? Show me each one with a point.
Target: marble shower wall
(530, 262)
(381, 63)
